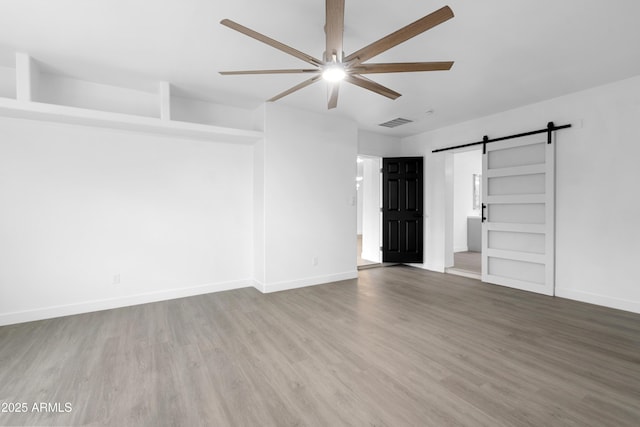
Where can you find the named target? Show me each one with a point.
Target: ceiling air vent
(395, 122)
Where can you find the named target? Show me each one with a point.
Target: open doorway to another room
(465, 225)
(368, 181)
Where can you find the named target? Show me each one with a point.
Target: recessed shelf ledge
(80, 116)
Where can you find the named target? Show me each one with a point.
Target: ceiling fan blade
(295, 88)
(271, 42)
(365, 83)
(334, 29)
(334, 88)
(403, 34)
(293, 71)
(401, 67)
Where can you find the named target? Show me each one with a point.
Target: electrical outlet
(116, 279)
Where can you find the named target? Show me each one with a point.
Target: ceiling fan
(336, 67)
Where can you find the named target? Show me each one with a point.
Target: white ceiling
(507, 53)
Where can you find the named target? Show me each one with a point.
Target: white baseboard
(106, 304)
(438, 268)
(301, 283)
(259, 286)
(618, 303)
(463, 273)
(461, 249)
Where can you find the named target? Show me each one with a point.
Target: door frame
(449, 196)
(372, 199)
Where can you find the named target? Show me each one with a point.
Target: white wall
(597, 201)
(464, 166)
(376, 144)
(309, 198)
(55, 89)
(81, 205)
(7, 82)
(197, 111)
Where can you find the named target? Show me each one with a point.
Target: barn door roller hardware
(486, 140)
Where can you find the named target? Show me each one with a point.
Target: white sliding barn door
(518, 200)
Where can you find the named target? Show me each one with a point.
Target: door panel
(517, 241)
(411, 236)
(412, 196)
(518, 230)
(517, 156)
(519, 270)
(393, 191)
(402, 216)
(517, 184)
(393, 236)
(517, 213)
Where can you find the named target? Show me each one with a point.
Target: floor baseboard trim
(259, 286)
(310, 281)
(463, 273)
(438, 268)
(368, 266)
(110, 303)
(617, 303)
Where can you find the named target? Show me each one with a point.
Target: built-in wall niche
(7, 82)
(37, 82)
(204, 112)
(31, 90)
(62, 90)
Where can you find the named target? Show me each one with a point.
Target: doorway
(402, 210)
(368, 186)
(464, 227)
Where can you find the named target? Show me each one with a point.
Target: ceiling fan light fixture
(334, 73)
(335, 67)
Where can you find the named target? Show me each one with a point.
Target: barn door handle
(484, 218)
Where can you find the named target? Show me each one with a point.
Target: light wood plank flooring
(397, 347)
(468, 261)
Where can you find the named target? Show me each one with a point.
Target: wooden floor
(397, 347)
(468, 261)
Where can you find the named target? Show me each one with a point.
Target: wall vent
(395, 122)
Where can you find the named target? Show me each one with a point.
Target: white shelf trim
(96, 118)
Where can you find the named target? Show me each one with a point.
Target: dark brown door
(402, 216)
